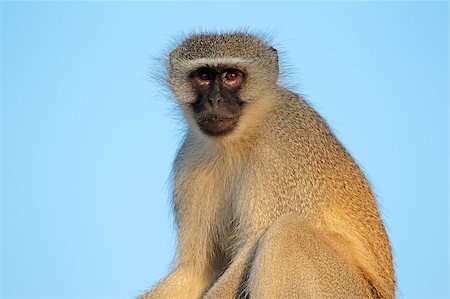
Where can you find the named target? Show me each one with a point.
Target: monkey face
(217, 107)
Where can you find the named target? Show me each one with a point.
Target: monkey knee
(287, 232)
(287, 246)
(294, 260)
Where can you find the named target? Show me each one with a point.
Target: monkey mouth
(217, 125)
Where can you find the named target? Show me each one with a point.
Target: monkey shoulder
(295, 129)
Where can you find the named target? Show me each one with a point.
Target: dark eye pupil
(231, 75)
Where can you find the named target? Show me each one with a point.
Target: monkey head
(215, 76)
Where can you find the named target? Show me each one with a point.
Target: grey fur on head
(239, 45)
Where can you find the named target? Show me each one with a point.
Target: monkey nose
(214, 101)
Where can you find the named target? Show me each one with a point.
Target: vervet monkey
(268, 202)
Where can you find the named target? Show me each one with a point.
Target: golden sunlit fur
(275, 209)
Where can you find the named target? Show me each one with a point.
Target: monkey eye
(204, 75)
(231, 75)
(232, 78)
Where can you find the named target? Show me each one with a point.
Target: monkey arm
(182, 282)
(192, 275)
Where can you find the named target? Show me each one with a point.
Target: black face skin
(218, 107)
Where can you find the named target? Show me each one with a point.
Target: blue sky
(88, 137)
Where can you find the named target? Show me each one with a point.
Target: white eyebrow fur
(199, 62)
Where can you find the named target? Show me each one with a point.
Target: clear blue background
(88, 139)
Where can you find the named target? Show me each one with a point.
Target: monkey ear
(276, 54)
